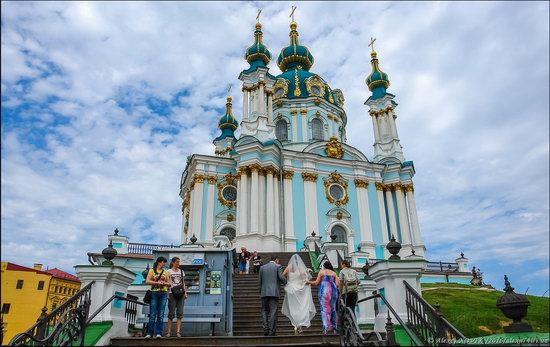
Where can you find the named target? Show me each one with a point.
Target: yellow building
(24, 294)
(63, 285)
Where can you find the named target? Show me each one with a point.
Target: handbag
(147, 297)
(178, 291)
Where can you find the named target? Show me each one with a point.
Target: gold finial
(292, 13)
(371, 44)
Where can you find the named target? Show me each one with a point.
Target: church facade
(291, 173)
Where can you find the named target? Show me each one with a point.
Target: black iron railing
(144, 248)
(64, 326)
(130, 311)
(439, 266)
(351, 335)
(427, 322)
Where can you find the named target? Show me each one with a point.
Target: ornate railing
(351, 335)
(144, 248)
(427, 322)
(64, 326)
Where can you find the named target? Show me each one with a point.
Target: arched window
(281, 130)
(317, 129)
(229, 232)
(340, 233)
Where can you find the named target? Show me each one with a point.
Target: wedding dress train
(298, 303)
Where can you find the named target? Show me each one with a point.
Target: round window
(336, 192)
(229, 193)
(315, 90)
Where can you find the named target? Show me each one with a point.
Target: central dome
(294, 55)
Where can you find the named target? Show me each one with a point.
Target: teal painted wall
(330, 168)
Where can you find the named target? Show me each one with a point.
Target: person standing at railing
(159, 281)
(349, 283)
(328, 283)
(176, 296)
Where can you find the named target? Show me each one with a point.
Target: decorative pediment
(315, 86)
(334, 148)
(280, 88)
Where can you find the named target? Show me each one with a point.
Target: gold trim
(336, 178)
(230, 217)
(303, 112)
(379, 186)
(255, 168)
(334, 149)
(317, 101)
(409, 187)
(309, 176)
(359, 183)
(229, 180)
(198, 178)
(315, 81)
(244, 170)
(212, 179)
(288, 174)
(340, 97)
(297, 91)
(339, 215)
(293, 112)
(281, 83)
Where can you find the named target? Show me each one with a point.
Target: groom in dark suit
(270, 280)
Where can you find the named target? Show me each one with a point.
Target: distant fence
(144, 248)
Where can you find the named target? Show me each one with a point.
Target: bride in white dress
(298, 303)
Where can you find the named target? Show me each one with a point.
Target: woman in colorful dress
(328, 283)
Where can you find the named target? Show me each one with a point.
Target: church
(291, 173)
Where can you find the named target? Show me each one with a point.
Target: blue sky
(103, 101)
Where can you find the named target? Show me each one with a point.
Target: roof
(55, 272)
(15, 267)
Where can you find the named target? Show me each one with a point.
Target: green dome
(377, 81)
(227, 123)
(294, 55)
(258, 52)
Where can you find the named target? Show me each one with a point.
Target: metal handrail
(409, 332)
(116, 296)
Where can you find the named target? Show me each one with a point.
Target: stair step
(252, 340)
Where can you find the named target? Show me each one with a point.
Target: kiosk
(208, 309)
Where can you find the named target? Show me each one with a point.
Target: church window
(279, 92)
(336, 192)
(229, 232)
(340, 233)
(281, 130)
(317, 129)
(229, 193)
(315, 90)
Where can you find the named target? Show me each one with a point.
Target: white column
(270, 108)
(304, 126)
(391, 214)
(294, 122)
(242, 201)
(289, 211)
(262, 99)
(276, 205)
(364, 212)
(254, 199)
(196, 203)
(257, 109)
(393, 126)
(183, 240)
(262, 188)
(310, 197)
(403, 219)
(383, 225)
(245, 103)
(270, 200)
(417, 240)
(375, 127)
(210, 209)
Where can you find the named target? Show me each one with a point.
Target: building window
(40, 285)
(229, 232)
(64, 290)
(19, 284)
(281, 130)
(6, 308)
(317, 129)
(229, 193)
(340, 233)
(54, 306)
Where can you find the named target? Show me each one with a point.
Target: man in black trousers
(270, 280)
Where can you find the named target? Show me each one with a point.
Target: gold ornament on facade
(243, 170)
(339, 215)
(334, 149)
(297, 91)
(229, 180)
(395, 186)
(212, 179)
(315, 81)
(359, 183)
(409, 188)
(288, 174)
(230, 217)
(303, 112)
(255, 168)
(317, 114)
(309, 176)
(379, 186)
(335, 178)
(317, 101)
(293, 113)
(199, 178)
(339, 97)
(281, 83)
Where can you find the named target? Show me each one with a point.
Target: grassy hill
(473, 310)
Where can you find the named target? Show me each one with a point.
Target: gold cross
(371, 44)
(258, 16)
(292, 13)
(229, 88)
